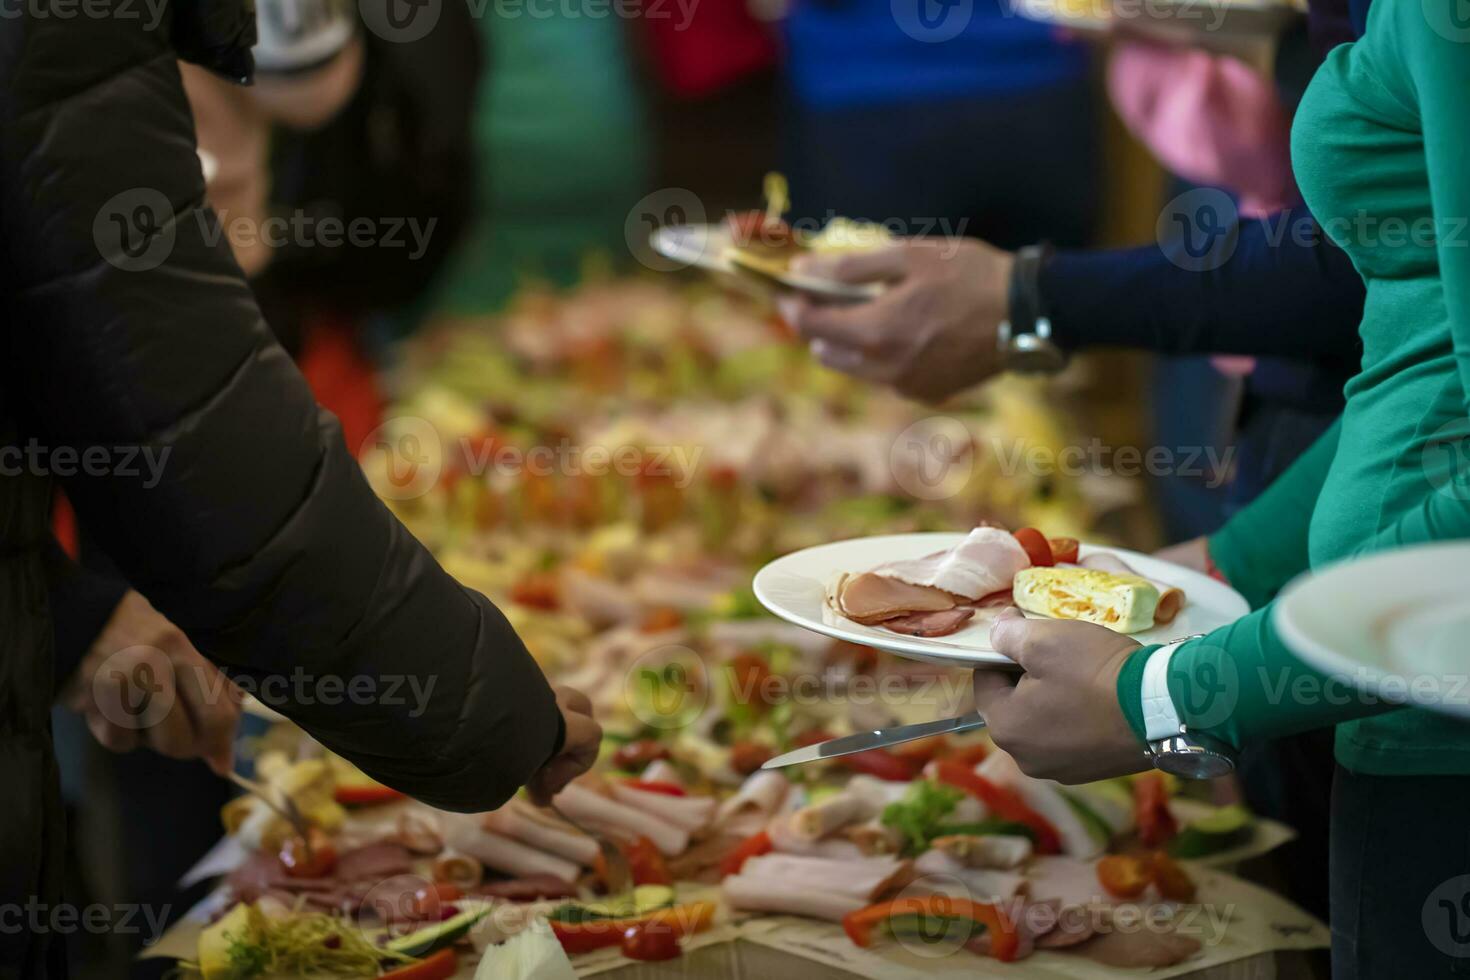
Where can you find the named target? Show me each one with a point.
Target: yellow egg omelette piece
(1122, 603)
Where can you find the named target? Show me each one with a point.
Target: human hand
(931, 334)
(1061, 720)
(1193, 554)
(578, 750)
(142, 683)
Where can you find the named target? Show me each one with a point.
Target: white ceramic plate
(703, 247)
(794, 588)
(1395, 625)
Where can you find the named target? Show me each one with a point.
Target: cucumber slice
(1225, 828)
(422, 942)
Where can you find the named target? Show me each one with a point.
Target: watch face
(1194, 765)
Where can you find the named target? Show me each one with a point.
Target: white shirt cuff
(1160, 719)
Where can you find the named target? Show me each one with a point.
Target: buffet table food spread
(611, 467)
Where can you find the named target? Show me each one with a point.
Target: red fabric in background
(342, 378)
(719, 44)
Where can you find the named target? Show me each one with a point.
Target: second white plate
(794, 588)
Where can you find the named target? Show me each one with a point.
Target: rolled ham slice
(688, 812)
(662, 771)
(588, 807)
(861, 878)
(1171, 598)
(830, 815)
(505, 854)
(757, 895)
(938, 873)
(786, 841)
(522, 823)
(873, 838)
(986, 561)
(997, 851)
(762, 792)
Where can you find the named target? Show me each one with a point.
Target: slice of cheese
(1122, 603)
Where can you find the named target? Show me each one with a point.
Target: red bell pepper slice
(655, 786)
(883, 764)
(644, 861)
(1001, 801)
(753, 846)
(441, 966)
(1004, 940)
(1156, 823)
(681, 921)
(365, 794)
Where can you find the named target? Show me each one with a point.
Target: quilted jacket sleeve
(224, 493)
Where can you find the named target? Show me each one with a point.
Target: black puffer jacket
(123, 326)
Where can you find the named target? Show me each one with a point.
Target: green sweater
(1381, 148)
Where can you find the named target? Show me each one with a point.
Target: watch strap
(1160, 717)
(1026, 312)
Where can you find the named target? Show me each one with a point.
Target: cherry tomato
(749, 674)
(301, 861)
(661, 618)
(1064, 550)
(747, 757)
(538, 590)
(1123, 875)
(1172, 881)
(636, 755)
(1037, 548)
(650, 942)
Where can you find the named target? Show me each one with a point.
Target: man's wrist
(1130, 690)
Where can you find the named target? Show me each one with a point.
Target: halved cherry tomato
(315, 861)
(749, 674)
(655, 786)
(538, 590)
(753, 846)
(661, 618)
(747, 757)
(636, 755)
(650, 943)
(882, 764)
(1172, 881)
(644, 861)
(441, 966)
(1035, 543)
(1001, 801)
(1123, 875)
(1064, 551)
(1155, 820)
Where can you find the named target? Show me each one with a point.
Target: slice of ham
(941, 622)
(986, 561)
(528, 889)
(504, 854)
(525, 824)
(691, 813)
(869, 598)
(786, 841)
(861, 878)
(998, 851)
(762, 793)
(873, 838)
(1171, 598)
(1138, 949)
(757, 895)
(602, 812)
(828, 816)
(938, 873)
(1072, 882)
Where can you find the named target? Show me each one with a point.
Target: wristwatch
(1024, 337)
(1172, 747)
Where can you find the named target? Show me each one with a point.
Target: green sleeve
(1427, 64)
(1265, 545)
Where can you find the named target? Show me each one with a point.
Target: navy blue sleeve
(1276, 286)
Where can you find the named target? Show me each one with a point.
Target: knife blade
(877, 739)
